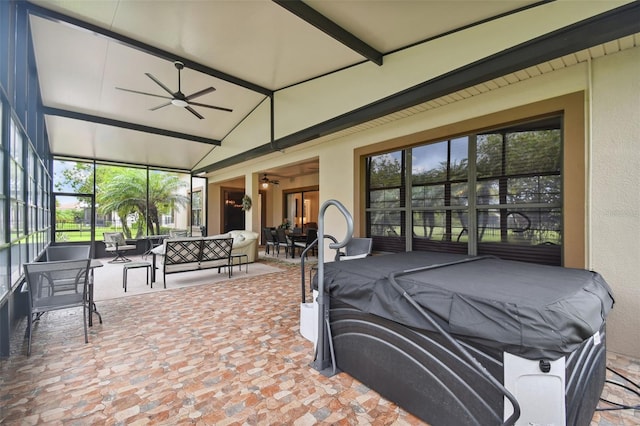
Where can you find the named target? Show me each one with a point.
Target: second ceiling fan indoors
(178, 98)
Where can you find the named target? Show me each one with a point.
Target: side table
(240, 256)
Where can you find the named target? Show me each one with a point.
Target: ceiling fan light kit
(265, 181)
(180, 103)
(178, 98)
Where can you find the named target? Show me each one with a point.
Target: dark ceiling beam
(126, 125)
(617, 23)
(324, 24)
(143, 47)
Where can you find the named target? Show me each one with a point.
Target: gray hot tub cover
(530, 310)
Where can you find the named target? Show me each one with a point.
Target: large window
(496, 193)
(386, 201)
(73, 200)
(133, 200)
(24, 199)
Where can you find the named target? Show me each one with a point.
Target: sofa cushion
(248, 235)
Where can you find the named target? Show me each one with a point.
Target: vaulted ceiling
(107, 67)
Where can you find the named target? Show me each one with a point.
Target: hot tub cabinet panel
(424, 374)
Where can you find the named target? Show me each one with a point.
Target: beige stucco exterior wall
(615, 191)
(612, 225)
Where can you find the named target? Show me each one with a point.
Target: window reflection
(514, 199)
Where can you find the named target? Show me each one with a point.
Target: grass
(82, 234)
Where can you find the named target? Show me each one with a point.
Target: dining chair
(312, 236)
(56, 285)
(283, 240)
(269, 241)
(74, 252)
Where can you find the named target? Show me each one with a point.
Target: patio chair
(178, 233)
(68, 253)
(270, 240)
(312, 235)
(356, 248)
(115, 242)
(76, 252)
(57, 253)
(283, 240)
(56, 285)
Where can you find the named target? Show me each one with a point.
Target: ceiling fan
(265, 181)
(178, 98)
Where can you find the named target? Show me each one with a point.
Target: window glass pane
(169, 202)
(16, 262)
(385, 224)
(428, 196)
(196, 208)
(120, 200)
(3, 222)
(459, 194)
(488, 192)
(13, 180)
(535, 189)
(15, 144)
(73, 218)
(13, 221)
(198, 203)
(489, 155)
(522, 226)
(527, 151)
(4, 271)
(440, 225)
(525, 160)
(385, 170)
(459, 163)
(19, 177)
(73, 177)
(2, 174)
(429, 163)
(385, 198)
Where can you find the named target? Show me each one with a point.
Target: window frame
(570, 106)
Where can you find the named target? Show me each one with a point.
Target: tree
(123, 190)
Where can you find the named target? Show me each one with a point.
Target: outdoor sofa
(196, 253)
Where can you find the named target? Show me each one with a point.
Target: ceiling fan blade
(194, 112)
(200, 93)
(159, 83)
(210, 106)
(160, 106)
(143, 93)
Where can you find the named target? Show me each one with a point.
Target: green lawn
(82, 234)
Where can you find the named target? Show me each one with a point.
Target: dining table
(293, 239)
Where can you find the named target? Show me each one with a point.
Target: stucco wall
(615, 191)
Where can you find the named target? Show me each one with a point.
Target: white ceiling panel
(85, 49)
(77, 138)
(388, 25)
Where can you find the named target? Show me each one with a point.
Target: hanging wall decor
(246, 203)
